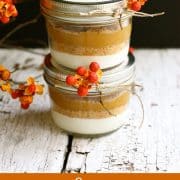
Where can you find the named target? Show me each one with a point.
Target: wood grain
(156, 146)
(30, 142)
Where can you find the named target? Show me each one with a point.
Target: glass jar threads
(84, 31)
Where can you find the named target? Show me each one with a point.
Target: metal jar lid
(84, 11)
(120, 75)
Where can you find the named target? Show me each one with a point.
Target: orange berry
(26, 99)
(93, 78)
(71, 80)
(136, 6)
(30, 90)
(81, 71)
(11, 8)
(15, 94)
(82, 91)
(6, 87)
(39, 89)
(94, 66)
(4, 19)
(25, 106)
(8, 1)
(15, 13)
(5, 75)
(30, 80)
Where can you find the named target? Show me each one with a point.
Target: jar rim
(69, 11)
(95, 2)
(114, 77)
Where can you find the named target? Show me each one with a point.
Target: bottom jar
(102, 111)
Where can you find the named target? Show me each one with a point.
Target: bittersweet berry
(82, 91)
(70, 80)
(136, 6)
(25, 106)
(81, 71)
(94, 66)
(93, 78)
(15, 94)
(5, 75)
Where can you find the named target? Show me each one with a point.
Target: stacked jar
(81, 32)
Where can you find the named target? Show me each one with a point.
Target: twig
(20, 26)
(101, 102)
(22, 82)
(142, 107)
(132, 91)
(142, 14)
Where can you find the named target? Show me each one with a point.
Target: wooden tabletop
(31, 142)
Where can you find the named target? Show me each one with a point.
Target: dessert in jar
(82, 31)
(103, 110)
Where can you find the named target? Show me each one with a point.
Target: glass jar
(102, 111)
(82, 31)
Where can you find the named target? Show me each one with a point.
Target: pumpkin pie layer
(89, 107)
(89, 42)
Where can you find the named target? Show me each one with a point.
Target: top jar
(82, 31)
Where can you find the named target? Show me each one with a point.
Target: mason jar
(82, 31)
(103, 110)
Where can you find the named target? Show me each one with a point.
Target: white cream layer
(89, 126)
(73, 61)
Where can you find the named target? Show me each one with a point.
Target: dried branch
(20, 26)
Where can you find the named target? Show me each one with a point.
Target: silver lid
(113, 77)
(80, 10)
(88, 1)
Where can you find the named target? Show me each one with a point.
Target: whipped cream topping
(107, 61)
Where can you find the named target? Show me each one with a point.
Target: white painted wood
(156, 146)
(30, 142)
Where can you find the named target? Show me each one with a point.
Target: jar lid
(81, 10)
(113, 77)
(89, 2)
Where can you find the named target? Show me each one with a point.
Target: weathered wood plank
(29, 140)
(156, 146)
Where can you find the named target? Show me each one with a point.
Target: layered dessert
(74, 45)
(91, 114)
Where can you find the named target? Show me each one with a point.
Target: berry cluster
(24, 92)
(4, 78)
(7, 10)
(136, 5)
(85, 78)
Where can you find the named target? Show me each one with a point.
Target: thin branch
(142, 14)
(20, 26)
(22, 82)
(142, 107)
(102, 103)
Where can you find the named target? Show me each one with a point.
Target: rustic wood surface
(30, 142)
